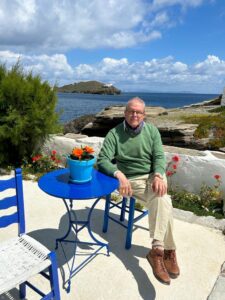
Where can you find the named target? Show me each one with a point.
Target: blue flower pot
(80, 170)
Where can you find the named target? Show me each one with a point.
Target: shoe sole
(158, 278)
(173, 276)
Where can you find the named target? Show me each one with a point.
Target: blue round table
(57, 184)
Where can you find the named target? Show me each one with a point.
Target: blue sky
(137, 45)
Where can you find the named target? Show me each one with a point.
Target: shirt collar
(133, 131)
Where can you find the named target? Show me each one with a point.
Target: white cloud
(212, 66)
(51, 67)
(56, 25)
(164, 74)
(182, 3)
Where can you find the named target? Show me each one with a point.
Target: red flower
(174, 167)
(36, 158)
(54, 152)
(217, 177)
(169, 173)
(176, 158)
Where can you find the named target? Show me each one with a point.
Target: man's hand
(125, 186)
(159, 186)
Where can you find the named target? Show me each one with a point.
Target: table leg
(73, 226)
(106, 214)
(70, 223)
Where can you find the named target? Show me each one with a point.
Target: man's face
(134, 114)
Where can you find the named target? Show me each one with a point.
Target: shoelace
(170, 255)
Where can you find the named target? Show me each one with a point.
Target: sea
(73, 105)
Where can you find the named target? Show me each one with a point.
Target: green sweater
(134, 155)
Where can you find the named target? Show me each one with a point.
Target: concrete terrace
(124, 274)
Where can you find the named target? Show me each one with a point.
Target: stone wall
(223, 98)
(194, 169)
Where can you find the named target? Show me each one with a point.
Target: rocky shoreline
(174, 131)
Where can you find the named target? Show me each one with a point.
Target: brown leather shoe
(155, 258)
(170, 261)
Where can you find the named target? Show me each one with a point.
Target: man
(140, 168)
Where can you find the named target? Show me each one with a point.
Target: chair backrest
(13, 201)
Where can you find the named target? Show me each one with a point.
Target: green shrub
(210, 124)
(217, 109)
(192, 202)
(27, 114)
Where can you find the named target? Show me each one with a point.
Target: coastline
(76, 105)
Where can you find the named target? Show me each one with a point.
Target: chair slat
(8, 220)
(7, 184)
(8, 202)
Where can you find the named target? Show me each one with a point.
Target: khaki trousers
(160, 210)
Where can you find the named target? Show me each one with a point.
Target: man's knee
(164, 201)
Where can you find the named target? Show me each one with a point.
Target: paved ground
(124, 274)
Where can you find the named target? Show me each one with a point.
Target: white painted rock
(192, 171)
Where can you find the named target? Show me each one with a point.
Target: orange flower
(88, 149)
(77, 152)
(82, 153)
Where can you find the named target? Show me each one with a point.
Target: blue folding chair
(124, 207)
(22, 257)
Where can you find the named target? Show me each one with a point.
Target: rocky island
(90, 87)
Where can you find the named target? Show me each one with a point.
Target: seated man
(140, 168)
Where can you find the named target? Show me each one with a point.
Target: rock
(223, 98)
(203, 165)
(74, 136)
(222, 149)
(64, 144)
(112, 116)
(76, 125)
(177, 134)
(173, 129)
(190, 217)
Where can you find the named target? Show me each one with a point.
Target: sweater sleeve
(107, 154)
(159, 162)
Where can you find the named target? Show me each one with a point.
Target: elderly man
(140, 168)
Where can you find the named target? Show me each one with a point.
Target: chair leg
(130, 223)
(54, 280)
(123, 207)
(22, 288)
(106, 214)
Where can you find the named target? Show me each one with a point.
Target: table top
(57, 184)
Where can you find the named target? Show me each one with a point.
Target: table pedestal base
(73, 227)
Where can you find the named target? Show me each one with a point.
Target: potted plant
(80, 163)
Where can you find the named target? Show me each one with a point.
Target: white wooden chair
(23, 257)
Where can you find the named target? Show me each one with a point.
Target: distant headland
(90, 87)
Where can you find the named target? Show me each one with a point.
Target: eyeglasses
(137, 112)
